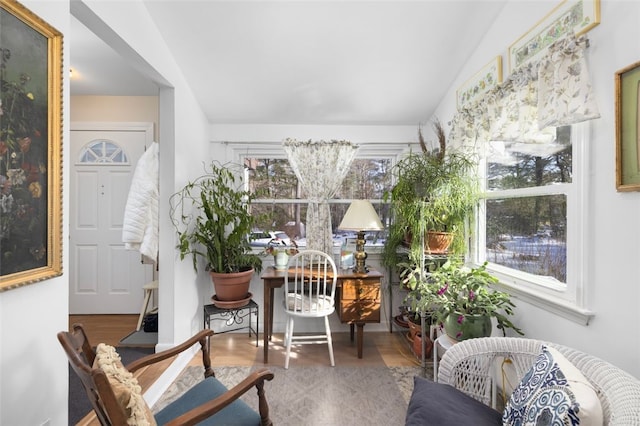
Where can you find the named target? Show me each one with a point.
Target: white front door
(104, 277)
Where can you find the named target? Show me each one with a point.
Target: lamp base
(360, 255)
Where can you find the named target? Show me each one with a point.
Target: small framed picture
(484, 80)
(577, 16)
(627, 92)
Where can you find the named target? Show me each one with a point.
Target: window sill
(551, 304)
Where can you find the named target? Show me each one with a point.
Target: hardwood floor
(237, 349)
(107, 329)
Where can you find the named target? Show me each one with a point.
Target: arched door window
(103, 151)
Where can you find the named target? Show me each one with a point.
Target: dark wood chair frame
(81, 356)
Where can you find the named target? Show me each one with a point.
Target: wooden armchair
(117, 398)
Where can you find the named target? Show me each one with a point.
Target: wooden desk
(357, 301)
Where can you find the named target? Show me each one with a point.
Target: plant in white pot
(463, 300)
(213, 222)
(281, 251)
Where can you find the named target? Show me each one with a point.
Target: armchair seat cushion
(442, 405)
(236, 413)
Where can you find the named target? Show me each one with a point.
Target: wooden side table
(357, 301)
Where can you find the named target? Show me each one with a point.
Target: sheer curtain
(537, 97)
(320, 167)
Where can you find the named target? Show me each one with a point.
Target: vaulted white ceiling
(301, 62)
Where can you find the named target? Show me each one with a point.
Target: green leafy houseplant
(212, 220)
(434, 191)
(455, 292)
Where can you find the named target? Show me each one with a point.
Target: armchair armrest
(255, 379)
(470, 365)
(200, 337)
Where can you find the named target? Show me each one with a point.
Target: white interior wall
(279, 132)
(182, 137)
(116, 109)
(613, 234)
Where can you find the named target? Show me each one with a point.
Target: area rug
(79, 405)
(320, 395)
(140, 339)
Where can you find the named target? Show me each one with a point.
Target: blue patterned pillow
(553, 392)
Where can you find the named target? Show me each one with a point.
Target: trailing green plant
(212, 220)
(454, 289)
(434, 191)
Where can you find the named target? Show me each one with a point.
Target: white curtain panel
(516, 111)
(320, 166)
(564, 89)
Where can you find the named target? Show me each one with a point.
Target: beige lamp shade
(361, 216)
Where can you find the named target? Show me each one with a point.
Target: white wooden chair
(309, 292)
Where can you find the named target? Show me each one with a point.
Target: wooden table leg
(360, 338)
(268, 322)
(351, 325)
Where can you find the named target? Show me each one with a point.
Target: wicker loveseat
(470, 367)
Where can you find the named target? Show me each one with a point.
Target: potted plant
(281, 251)
(434, 193)
(213, 222)
(462, 299)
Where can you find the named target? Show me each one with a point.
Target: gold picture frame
(578, 16)
(30, 147)
(627, 87)
(484, 80)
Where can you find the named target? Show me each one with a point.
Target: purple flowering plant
(455, 289)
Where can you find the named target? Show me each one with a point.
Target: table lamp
(360, 217)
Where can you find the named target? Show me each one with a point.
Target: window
(526, 216)
(281, 203)
(530, 221)
(103, 151)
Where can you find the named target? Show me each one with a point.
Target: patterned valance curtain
(536, 98)
(320, 167)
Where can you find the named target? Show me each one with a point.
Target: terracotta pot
(417, 346)
(434, 243)
(438, 242)
(414, 328)
(231, 286)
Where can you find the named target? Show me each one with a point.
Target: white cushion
(553, 392)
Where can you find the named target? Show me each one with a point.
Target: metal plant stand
(240, 316)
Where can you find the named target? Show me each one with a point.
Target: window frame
(366, 150)
(569, 299)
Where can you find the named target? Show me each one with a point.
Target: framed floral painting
(627, 82)
(577, 16)
(30, 147)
